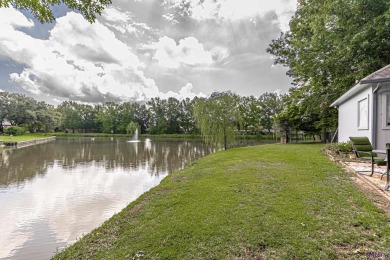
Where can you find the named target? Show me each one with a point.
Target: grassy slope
(278, 201)
(20, 138)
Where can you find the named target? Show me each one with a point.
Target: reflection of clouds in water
(72, 202)
(159, 155)
(4, 157)
(72, 185)
(147, 144)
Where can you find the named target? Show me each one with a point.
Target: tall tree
(218, 117)
(21, 109)
(270, 104)
(174, 116)
(187, 123)
(70, 115)
(126, 115)
(141, 116)
(4, 107)
(158, 116)
(250, 110)
(42, 9)
(108, 116)
(331, 45)
(87, 115)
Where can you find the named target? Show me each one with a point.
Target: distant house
(364, 110)
(4, 125)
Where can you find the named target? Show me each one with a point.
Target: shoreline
(20, 144)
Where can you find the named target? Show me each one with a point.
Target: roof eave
(375, 81)
(350, 93)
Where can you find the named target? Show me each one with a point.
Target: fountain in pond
(135, 137)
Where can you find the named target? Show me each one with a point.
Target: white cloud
(123, 22)
(185, 92)
(80, 61)
(39, 204)
(188, 52)
(235, 9)
(219, 53)
(18, 19)
(170, 17)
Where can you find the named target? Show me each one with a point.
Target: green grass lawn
(20, 138)
(272, 201)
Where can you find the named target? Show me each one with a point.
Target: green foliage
(338, 149)
(157, 116)
(250, 109)
(20, 110)
(218, 118)
(345, 146)
(330, 46)
(271, 104)
(131, 128)
(169, 116)
(108, 116)
(15, 130)
(42, 9)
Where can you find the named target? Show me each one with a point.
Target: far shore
(33, 136)
(22, 138)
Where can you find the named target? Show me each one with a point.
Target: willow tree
(42, 10)
(218, 118)
(131, 128)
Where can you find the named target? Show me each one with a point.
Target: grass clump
(271, 201)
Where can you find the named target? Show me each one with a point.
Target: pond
(51, 194)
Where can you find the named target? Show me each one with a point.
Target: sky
(141, 49)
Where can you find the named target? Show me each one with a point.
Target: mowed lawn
(271, 201)
(21, 138)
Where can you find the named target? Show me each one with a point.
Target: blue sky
(139, 49)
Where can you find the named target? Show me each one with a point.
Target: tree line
(329, 47)
(156, 116)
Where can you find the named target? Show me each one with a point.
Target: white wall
(348, 117)
(383, 134)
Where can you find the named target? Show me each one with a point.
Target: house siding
(383, 134)
(348, 116)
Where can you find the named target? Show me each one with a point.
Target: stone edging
(380, 191)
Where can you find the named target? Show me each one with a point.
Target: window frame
(385, 112)
(364, 110)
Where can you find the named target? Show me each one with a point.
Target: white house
(364, 110)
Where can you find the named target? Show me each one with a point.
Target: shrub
(345, 146)
(339, 149)
(15, 130)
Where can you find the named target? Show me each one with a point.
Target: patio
(374, 182)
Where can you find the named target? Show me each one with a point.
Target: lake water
(51, 194)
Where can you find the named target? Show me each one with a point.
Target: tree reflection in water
(155, 156)
(52, 193)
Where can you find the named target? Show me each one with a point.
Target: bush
(15, 130)
(340, 150)
(345, 146)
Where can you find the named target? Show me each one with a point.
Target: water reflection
(20, 165)
(50, 194)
